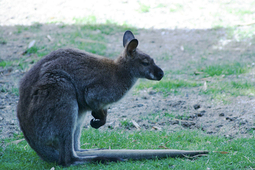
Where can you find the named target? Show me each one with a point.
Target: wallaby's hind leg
(100, 118)
(77, 132)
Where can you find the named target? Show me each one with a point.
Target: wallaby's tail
(140, 154)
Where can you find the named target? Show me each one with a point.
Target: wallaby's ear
(131, 46)
(128, 36)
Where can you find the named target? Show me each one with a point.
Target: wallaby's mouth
(156, 76)
(160, 75)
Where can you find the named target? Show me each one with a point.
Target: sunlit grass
(223, 153)
(224, 69)
(231, 88)
(168, 86)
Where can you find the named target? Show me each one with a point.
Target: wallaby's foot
(100, 118)
(105, 160)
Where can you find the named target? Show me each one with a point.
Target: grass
(222, 85)
(224, 153)
(32, 50)
(143, 8)
(168, 86)
(176, 8)
(225, 82)
(7, 88)
(225, 90)
(21, 63)
(127, 124)
(3, 41)
(91, 20)
(3, 64)
(236, 68)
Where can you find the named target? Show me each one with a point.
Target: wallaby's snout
(158, 74)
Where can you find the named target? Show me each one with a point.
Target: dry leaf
(156, 128)
(205, 86)
(31, 44)
(163, 147)
(49, 37)
(221, 152)
(135, 124)
(16, 141)
(198, 72)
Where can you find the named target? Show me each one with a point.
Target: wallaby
(59, 89)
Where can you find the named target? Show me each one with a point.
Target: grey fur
(59, 89)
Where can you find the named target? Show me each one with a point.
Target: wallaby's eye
(145, 62)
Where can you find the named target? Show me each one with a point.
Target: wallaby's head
(141, 64)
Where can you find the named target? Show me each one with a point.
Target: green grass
(239, 12)
(10, 89)
(32, 50)
(127, 124)
(235, 33)
(91, 20)
(224, 69)
(168, 86)
(224, 153)
(21, 63)
(3, 41)
(143, 8)
(3, 64)
(225, 89)
(176, 8)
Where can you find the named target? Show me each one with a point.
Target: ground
(180, 47)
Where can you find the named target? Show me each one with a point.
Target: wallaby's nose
(160, 74)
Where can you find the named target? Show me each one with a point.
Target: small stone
(140, 105)
(193, 116)
(243, 122)
(144, 97)
(202, 113)
(219, 126)
(152, 93)
(11, 122)
(210, 132)
(187, 124)
(252, 128)
(231, 118)
(222, 114)
(196, 106)
(173, 122)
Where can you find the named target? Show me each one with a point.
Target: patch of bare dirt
(151, 110)
(173, 49)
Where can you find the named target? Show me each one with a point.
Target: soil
(150, 109)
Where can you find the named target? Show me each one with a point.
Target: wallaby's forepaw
(96, 123)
